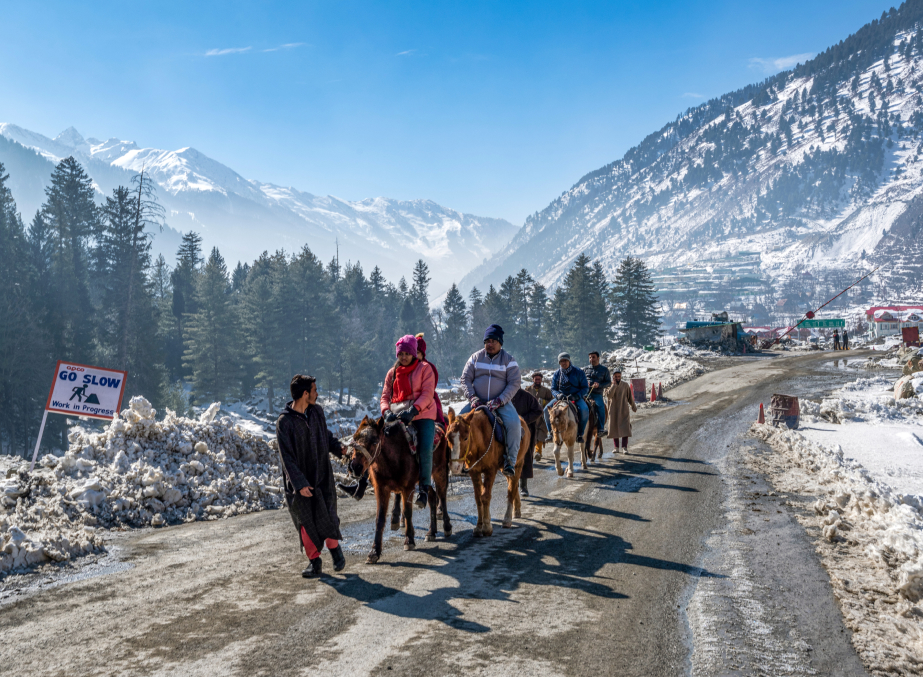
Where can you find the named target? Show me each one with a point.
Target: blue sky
(492, 108)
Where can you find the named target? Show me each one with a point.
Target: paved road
(676, 559)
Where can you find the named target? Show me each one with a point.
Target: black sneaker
(509, 471)
(313, 571)
(603, 432)
(421, 498)
(339, 559)
(580, 439)
(524, 487)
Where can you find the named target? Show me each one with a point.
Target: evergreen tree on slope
(634, 304)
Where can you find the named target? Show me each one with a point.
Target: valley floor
(675, 559)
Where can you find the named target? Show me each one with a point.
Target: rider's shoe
(509, 470)
(603, 432)
(313, 571)
(339, 559)
(422, 496)
(580, 439)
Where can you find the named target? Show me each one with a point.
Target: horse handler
(619, 399)
(305, 445)
(531, 412)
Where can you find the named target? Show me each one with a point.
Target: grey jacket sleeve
(467, 379)
(513, 382)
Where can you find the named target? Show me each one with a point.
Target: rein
(365, 452)
(493, 430)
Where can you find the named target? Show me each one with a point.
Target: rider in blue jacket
(569, 383)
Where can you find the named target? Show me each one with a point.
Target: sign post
(81, 390)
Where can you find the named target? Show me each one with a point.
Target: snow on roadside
(670, 366)
(869, 535)
(137, 472)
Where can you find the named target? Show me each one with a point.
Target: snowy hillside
(244, 217)
(809, 170)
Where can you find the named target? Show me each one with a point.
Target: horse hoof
(489, 533)
(373, 558)
(410, 546)
(430, 537)
(395, 526)
(560, 472)
(508, 525)
(447, 533)
(570, 473)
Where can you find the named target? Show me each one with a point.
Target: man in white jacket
(491, 378)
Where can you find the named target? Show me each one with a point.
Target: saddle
(571, 406)
(499, 430)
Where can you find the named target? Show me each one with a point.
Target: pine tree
(24, 361)
(184, 280)
(582, 322)
(128, 338)
(212, 338)
(634, 304)
(72, 217)
(263, 316)
(454, 336)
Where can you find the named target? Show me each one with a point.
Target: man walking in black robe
(305, 445)
(531, 411)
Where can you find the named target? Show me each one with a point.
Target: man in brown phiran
(543, 394)
(618, 400)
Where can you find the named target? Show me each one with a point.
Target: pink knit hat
(407, 344)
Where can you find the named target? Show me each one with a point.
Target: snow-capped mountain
(807, 171)
(243, 217)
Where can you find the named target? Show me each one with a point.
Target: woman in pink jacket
(408, 396)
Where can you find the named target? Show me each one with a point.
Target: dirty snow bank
(670, 366)
(137, 472)
(870, 539)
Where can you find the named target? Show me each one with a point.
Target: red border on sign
(85, 366)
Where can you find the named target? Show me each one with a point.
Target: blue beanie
(494, 331)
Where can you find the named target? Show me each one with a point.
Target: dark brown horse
(475, 450)
(393, 469)
(592, 442)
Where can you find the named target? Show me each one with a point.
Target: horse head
(364, 443)
(457, 436)
(560, 418)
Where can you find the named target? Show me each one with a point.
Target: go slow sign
(81, 390)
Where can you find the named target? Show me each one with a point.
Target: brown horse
(440, 487)
(392, 468)
(476, 452)
(592, 442)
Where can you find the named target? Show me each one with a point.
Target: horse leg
(442, 489)
(432, 500)
(382, 499)
(539, 447)
(570, 459)
(585, 453)
(408, 519)
(478, 499)
(512, 493)
(557, 459)
(487, 493)
(396, 513)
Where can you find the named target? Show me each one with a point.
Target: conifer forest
(79, 283)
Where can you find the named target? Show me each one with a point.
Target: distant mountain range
(243, 217)
(815, 169)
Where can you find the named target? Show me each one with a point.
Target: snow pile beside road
(669, 366)
(138, 472)
(870, 539)
(866, 400)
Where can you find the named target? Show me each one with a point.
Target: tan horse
(475, 451)
(564, 432)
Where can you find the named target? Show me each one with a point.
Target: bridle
(361, 448)
(489, 445)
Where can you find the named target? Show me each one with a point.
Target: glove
(494, 404)
(476, 402)
(408, 415)
(390, 417)
(560, 397)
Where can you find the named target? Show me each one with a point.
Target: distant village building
(889, 320)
